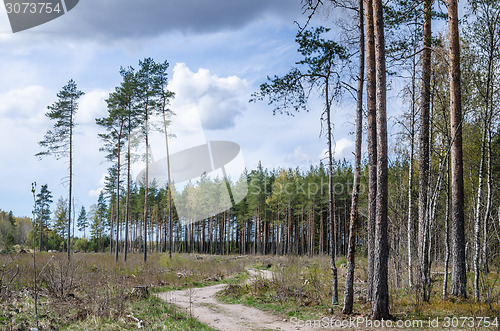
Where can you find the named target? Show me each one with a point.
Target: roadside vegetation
(301, 288)
(92, 292)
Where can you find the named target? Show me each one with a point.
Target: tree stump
(140, 292)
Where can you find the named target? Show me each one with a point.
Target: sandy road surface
(202, 304)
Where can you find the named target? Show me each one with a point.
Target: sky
(219, 53)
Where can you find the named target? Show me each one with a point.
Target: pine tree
(83, 224)
(61, 217)
(43, 201)
(458, 265)
(320, 68)
(12, 219)
(380, 295)
(59, 141)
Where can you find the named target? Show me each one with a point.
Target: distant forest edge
(13, 231)
(284, 212)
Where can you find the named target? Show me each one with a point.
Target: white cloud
(300, 156)
(25, 104)
(344, 149)
(92, 105)
(217, 101)
(97, 191)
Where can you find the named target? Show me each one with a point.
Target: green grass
(156, 314)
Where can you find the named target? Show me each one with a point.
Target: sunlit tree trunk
(477, 214)
(372, 138)
(349, 282)
(458, 266)
(380, 295)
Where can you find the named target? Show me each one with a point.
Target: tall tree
(321, 68)
(127, 91)
(458, 265)
(380, 295)
(423, 217)
(349, 282)
(59, 141)
(372, 138)
(162, 104)
(147, 93)
(114, 123)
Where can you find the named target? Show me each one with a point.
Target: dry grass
(93, 292)
(301, 287)
(93, 287)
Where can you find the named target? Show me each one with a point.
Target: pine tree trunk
(118, 190)
(447, 239)
(125, 248)
(380, 295)
(169, 187)
(145, 218)
(372, 138)
(331, 216)
(68, 246)
(410, 176)
(458, 266)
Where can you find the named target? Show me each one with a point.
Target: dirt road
(202, 304)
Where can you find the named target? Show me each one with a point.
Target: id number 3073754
(33, 7)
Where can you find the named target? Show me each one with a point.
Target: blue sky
(219, 53)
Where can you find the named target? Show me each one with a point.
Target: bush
(60, 277)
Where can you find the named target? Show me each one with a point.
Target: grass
(154, 313)
(301, 288)
(92, 291)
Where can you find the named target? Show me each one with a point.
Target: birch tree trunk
(423, 217)
(447, 239)
(477, 215)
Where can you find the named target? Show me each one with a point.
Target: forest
(414, 216)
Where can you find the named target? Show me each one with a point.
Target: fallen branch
(138, 321)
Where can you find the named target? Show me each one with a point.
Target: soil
(202, 304)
